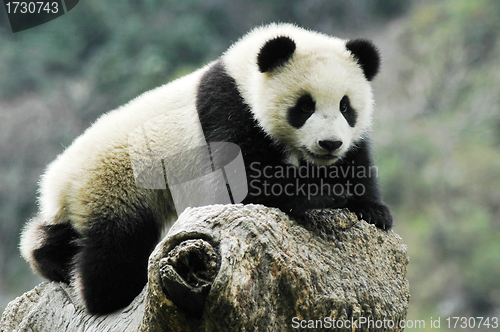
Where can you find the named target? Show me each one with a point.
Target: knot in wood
(187, 273)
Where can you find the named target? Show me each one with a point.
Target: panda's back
(99, 158)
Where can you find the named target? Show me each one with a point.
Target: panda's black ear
(367, 56)
(275, 53)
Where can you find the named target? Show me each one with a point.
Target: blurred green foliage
(128, 46)
(441, 174)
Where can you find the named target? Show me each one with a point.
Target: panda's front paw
(298, 208)
(376, 213)
(335, 202)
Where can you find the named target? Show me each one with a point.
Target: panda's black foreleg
(296, 206)
(367, 203)
(295, 195)
(111, 267)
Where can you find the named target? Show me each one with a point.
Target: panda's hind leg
(111, 267)
(50, 248)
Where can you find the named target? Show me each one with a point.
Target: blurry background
(436, 132)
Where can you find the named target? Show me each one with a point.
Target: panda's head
(312, 93)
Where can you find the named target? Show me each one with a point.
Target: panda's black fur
(58, 252)
(103, 251)
(94, 255)
(219, 103)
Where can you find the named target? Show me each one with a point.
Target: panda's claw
(376, 213)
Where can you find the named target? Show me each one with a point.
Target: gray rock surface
(248, 268)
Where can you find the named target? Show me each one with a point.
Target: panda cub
(297, 104)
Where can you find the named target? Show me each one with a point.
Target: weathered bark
(248, 268)
(51, 307)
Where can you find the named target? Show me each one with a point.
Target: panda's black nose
(330, 146)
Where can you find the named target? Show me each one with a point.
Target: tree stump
(248, 268)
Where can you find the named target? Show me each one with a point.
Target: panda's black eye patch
(347, 111)
(303, 109)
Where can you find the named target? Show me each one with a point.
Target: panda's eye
(307, 108)
(348, 112)
(302, 110)
(307, 104)
(344, 104)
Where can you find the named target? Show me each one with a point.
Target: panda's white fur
(92, 180)
(81, 175)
